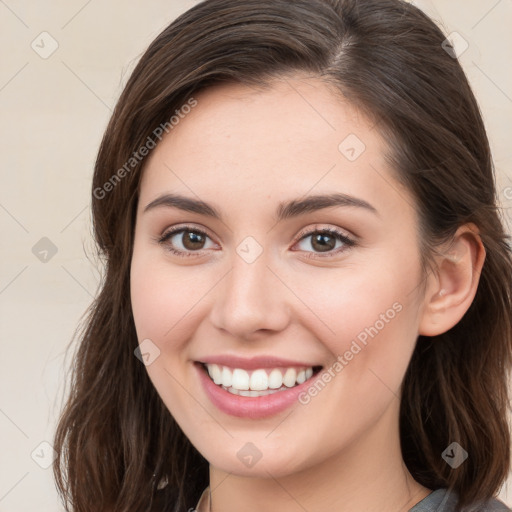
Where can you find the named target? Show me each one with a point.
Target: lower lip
(250, 406)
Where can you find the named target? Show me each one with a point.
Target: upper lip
(254, 363)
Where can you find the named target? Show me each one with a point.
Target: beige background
(54, 111)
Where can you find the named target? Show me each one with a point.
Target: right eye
(191, 240)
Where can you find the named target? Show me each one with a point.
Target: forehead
(290, 115)
(294, 136)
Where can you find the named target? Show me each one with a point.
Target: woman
(307, 298)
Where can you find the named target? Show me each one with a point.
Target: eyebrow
(285, 210)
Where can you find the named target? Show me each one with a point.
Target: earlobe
(452, 288)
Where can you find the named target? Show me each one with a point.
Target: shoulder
(496, 506)
(443, 500)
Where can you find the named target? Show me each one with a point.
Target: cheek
(346, 301)
(146, 292)
(163, 310)
(366, 316)
(161, 296)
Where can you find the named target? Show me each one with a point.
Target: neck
(368, 475)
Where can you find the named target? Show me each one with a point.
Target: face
(272, 289)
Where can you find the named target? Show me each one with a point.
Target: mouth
(260, 381)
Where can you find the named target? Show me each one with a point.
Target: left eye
(324, 241)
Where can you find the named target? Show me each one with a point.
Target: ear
(452, 287)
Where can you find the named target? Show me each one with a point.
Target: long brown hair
(116, 440)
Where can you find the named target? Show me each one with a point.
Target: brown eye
(325, 241)
(322, 242)
(184, 241)
(192, 241)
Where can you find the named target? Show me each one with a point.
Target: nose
(251, 299)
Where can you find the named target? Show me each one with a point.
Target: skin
(244, 151)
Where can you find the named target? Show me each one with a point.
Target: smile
(259, 382)
(231, 390)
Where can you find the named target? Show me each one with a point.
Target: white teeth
(275, 379)
(290, 377)
(234, 391)
(215, 373)
(240, 379)
(258, 382)
(226, 376)
(249, 393)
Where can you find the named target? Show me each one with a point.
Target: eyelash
(348, 242)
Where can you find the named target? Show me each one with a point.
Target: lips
(257, 362)
(253, 404)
